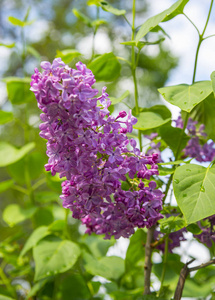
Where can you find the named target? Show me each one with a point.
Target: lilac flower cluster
(201, 153)
(175, 238)
(207, 236)
(154, 146)
(89, 147)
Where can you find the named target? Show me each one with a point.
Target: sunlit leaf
(107, 7)
(194, 188)
(9, 154)
(5, 117)
(18, 90)
(53, 255)
(175, 9)
(82, 17)
(171, 224)
(37, 235)
(5, 185)
(186, 96)
(213, 81)
(105, 67)
(14, 214)
(117, 100)
(68, 55)
(8, 45)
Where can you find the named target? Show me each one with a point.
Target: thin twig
(210, 262)
(181, 281)
(148, 263)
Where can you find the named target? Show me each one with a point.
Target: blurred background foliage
(29, 195)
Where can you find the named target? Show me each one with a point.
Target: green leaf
(96, 244)
(165, 171)
(16, 21)
(98, 22)
(141, 44)
(175, 9)
(213, 81)
(149, 120)
(173, 268)
(110, 267)
(37, 287)
(186, 96)
(153, 117)
(105, 67)
(194, 228)
(14, 214)
(5, 185)
(176, 162)
(136, 249)
(53, 255)
(204, 113)
(37, 235)
(5, 117)
(9, 154)
(46, 196)
(117, 100)
(194, 289)
(171, 224)
(3, 297)
(68, 55)
(8, 45)
(82, 17)
(107, 7)
(172, 137)
(33, 52)
(74, 287)
(194, 188)
(18, 90)
(43, 217)
(93, 2)
(58, 225)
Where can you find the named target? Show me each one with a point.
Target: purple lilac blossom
(207, 236)
(175, 238)
(154, 147)
(201, 153)
(89, 147)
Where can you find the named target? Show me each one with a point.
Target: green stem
(192, 23)
(6, 282)
(20, 189)
(39, 183)
(164, 264)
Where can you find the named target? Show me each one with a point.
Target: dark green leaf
(74, 287)
(14, 214)
(53, 256)
(194, 228)
(43, 217)
(18, 90)
(172, 136)
(105, 67)
(37, 287)
(110, 267)
(194, 188)
(136, 249)
(193, 289)
(107, 7)
(187, 96)
(5, 117)
(37, 235)
(58, 225)
(9, 154)
(68, 55)
(5, 185)
(175, 9)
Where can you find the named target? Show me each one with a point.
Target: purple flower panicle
(89, 147)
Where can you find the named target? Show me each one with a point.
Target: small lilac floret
(90, 148)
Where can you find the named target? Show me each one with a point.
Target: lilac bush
(90, 148)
